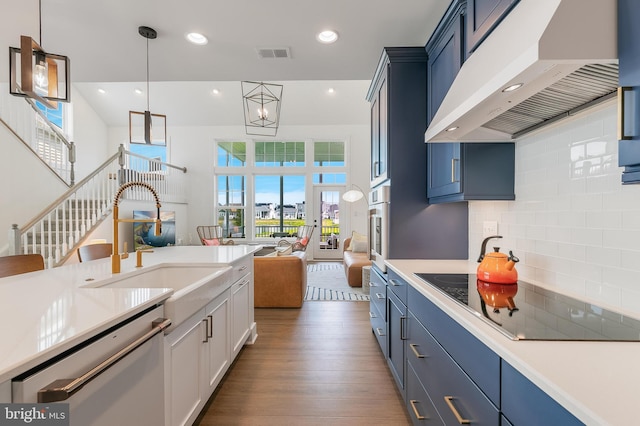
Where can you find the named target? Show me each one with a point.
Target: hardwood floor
(318, 365)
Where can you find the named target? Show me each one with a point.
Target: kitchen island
(48, 312)
(596, 381)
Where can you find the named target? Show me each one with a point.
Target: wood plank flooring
(318, 365)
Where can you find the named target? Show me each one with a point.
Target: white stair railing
(62, 226)
(29, 124)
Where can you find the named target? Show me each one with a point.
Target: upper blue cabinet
(445, 52)
(482, 17)
(629, 94)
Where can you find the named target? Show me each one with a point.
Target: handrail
(68, 192)
(153, 160)
(52, 126)
(17, 136)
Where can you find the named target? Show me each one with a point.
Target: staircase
(64, 224)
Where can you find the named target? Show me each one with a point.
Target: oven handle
(62, 389)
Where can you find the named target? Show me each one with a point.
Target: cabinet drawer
(539, 409)
(477, 360)
(241, 268)
(419, 405)
(378, 293)
(398, 285)
(379, 327)
(453, 393)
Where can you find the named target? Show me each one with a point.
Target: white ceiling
(101, 39)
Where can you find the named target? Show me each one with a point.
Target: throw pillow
(272, 254)
(211, 242)
(356, 236)
(304, 241)
(359, 247)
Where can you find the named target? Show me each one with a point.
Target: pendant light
(261, 107)
(41, 76)
(158, 136)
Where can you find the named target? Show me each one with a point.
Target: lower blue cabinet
(419, 405)
(396, 317)
(523, 403)
(456, 398)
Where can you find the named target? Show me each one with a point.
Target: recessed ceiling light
(197, 38)
(513, 87)
(451, 129)
(102, 91)
(331, 90)
(327, 36)
(215, 91)
(138, 91)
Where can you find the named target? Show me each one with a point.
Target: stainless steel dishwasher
(118, 379)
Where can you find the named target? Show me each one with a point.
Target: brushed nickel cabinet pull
(372, 284)
(372, 315)
(210, 332)
(459, 418)
(394, 283)
(380, 296)
(206, 329)
(413, 347)
(621, 92)
(403, 327)
(413, 403)
(380, 332)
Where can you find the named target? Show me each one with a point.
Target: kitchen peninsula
(49, 312)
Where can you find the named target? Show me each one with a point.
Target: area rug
(326, 281)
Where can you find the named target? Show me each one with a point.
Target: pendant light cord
(148, 109)
(40, 21)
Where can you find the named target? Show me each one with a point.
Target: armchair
(303, 236)
(212, 236)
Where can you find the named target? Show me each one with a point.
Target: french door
(326, 220)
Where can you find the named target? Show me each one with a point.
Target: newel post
(14, 239)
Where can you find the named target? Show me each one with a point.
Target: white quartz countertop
(598, 382)
(47, 312)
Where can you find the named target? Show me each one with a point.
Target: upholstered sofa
(353, 263)
(280, 281)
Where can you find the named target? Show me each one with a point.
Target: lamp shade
(352, 195)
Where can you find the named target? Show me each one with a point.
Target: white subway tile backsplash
(573, 224)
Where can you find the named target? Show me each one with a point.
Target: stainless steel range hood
(564, 52)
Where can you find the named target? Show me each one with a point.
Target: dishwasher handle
(62, 389)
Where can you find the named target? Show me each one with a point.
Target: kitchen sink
(193, 285)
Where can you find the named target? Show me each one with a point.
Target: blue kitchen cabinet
(445, 51)
(482, 17)
(470, 171)
(397, 314)
(378, 309)
(523, 403)
(629, 77)
(398, 97)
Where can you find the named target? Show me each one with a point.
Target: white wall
(573, 224)
(89, 133)
(193, 148)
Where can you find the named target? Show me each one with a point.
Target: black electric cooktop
(524, 311)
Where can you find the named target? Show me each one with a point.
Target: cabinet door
(445, 60)
(186, 357)
(379, 134)
(539, 409)
(378, 309)
(629, 76)
(218, 351)
(241, 308)
(482, 17)
(444, 174)
(419, 405)
(397, 315)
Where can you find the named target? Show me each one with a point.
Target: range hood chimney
(564, 52)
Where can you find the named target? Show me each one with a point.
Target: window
(280, 205)
(231, 205)
(279, 154)
(232, 154)
(55, 116)
(328, 154)
(156, 152)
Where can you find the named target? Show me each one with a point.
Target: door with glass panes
(326, 221)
